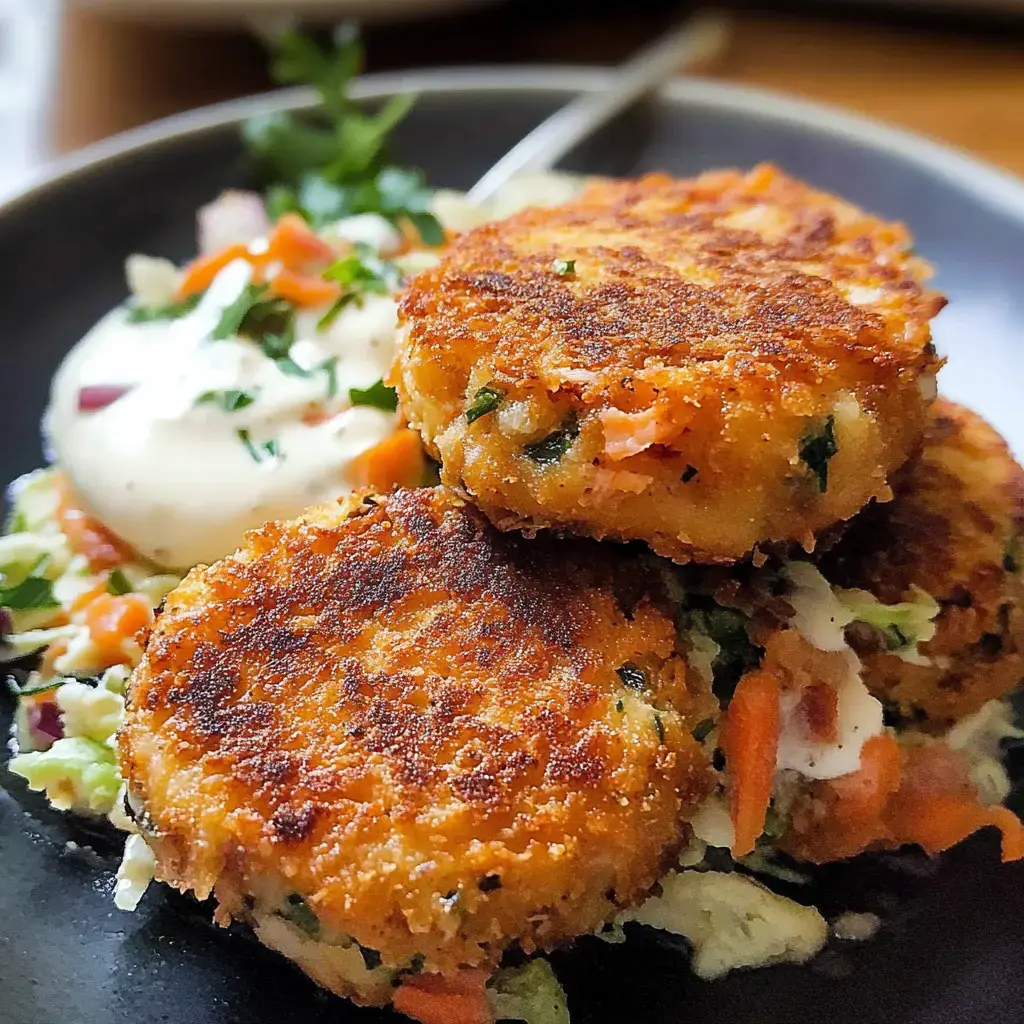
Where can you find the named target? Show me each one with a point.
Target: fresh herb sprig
(362, 272)
(331, 162)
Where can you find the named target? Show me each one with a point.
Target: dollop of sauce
(181, 477)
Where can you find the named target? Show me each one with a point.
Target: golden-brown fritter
(438, 738)
(703, 365)
(953, 529)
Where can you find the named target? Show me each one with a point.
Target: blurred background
(73, 72)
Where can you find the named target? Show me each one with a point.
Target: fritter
(703, 365)
(392, 728)
(953, 530)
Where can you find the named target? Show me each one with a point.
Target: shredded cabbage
(76, 773)
(903, 625)
(530, 993)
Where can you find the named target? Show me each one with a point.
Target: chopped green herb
(173, 310)
(360, 273)
(549, 450)
(563, 268)
(486, 400)
(727, 627)
(290, 368)
(703, 730)
(689, 473)
(489, 883)
(378, 396)
(619, 705)
(300, 914)
(32, 593)
(118, 583)
(34, 691)
(1013, 557)
(371, 958)
(259, 452)
(229, 400)
(234, 315)
(330, 162)
(816, 449)
(330, 369)
(632, 676)
(659, 725)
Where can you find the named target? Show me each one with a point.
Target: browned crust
(950, 531)
(384, 703)
(731, 307)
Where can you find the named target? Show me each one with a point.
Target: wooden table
(960, 85)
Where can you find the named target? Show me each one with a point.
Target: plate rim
(999, 189)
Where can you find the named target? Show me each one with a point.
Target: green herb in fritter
(816, 449)
(118, 583)
(486, 400)
(549, 450)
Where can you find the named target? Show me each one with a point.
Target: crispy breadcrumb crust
(953, 530)
(703, 332)
(416, 723)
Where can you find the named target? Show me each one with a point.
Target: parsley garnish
(565, 268)
(229, 400)
(234, 315)
(33, 592)
(378, 396)
(259, 452)
(173, 310)
(486, 400)
(549, 450)
(817, 448)
(360, 273)
(330, 368)
(331, 162)
(118, 583)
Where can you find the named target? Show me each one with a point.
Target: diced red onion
(44, 724)
(234, 218)
(94, 397)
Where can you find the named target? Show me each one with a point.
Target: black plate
(952, 946)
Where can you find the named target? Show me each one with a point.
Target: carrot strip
(199, 274)
(295, 245)
(303, 289)
(88, 536)
(434, 999)
(111, 620)
(398, 461)
(751, 745)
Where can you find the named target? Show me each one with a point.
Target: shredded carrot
(292, 245)
(919, 795)
(295, 245)
(398, 461)
(303, 289)
(88, 536)
(113, 619)
(751, 744)
(83, 600)
(199, 274)
(434, 999)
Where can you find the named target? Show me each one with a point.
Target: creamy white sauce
(170, 474)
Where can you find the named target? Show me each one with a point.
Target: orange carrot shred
(113, 619)
(303, 289)
(199, 274)
(751, 743)
(86, 535)
(433, 999)
(398, 461)
(295, 245)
